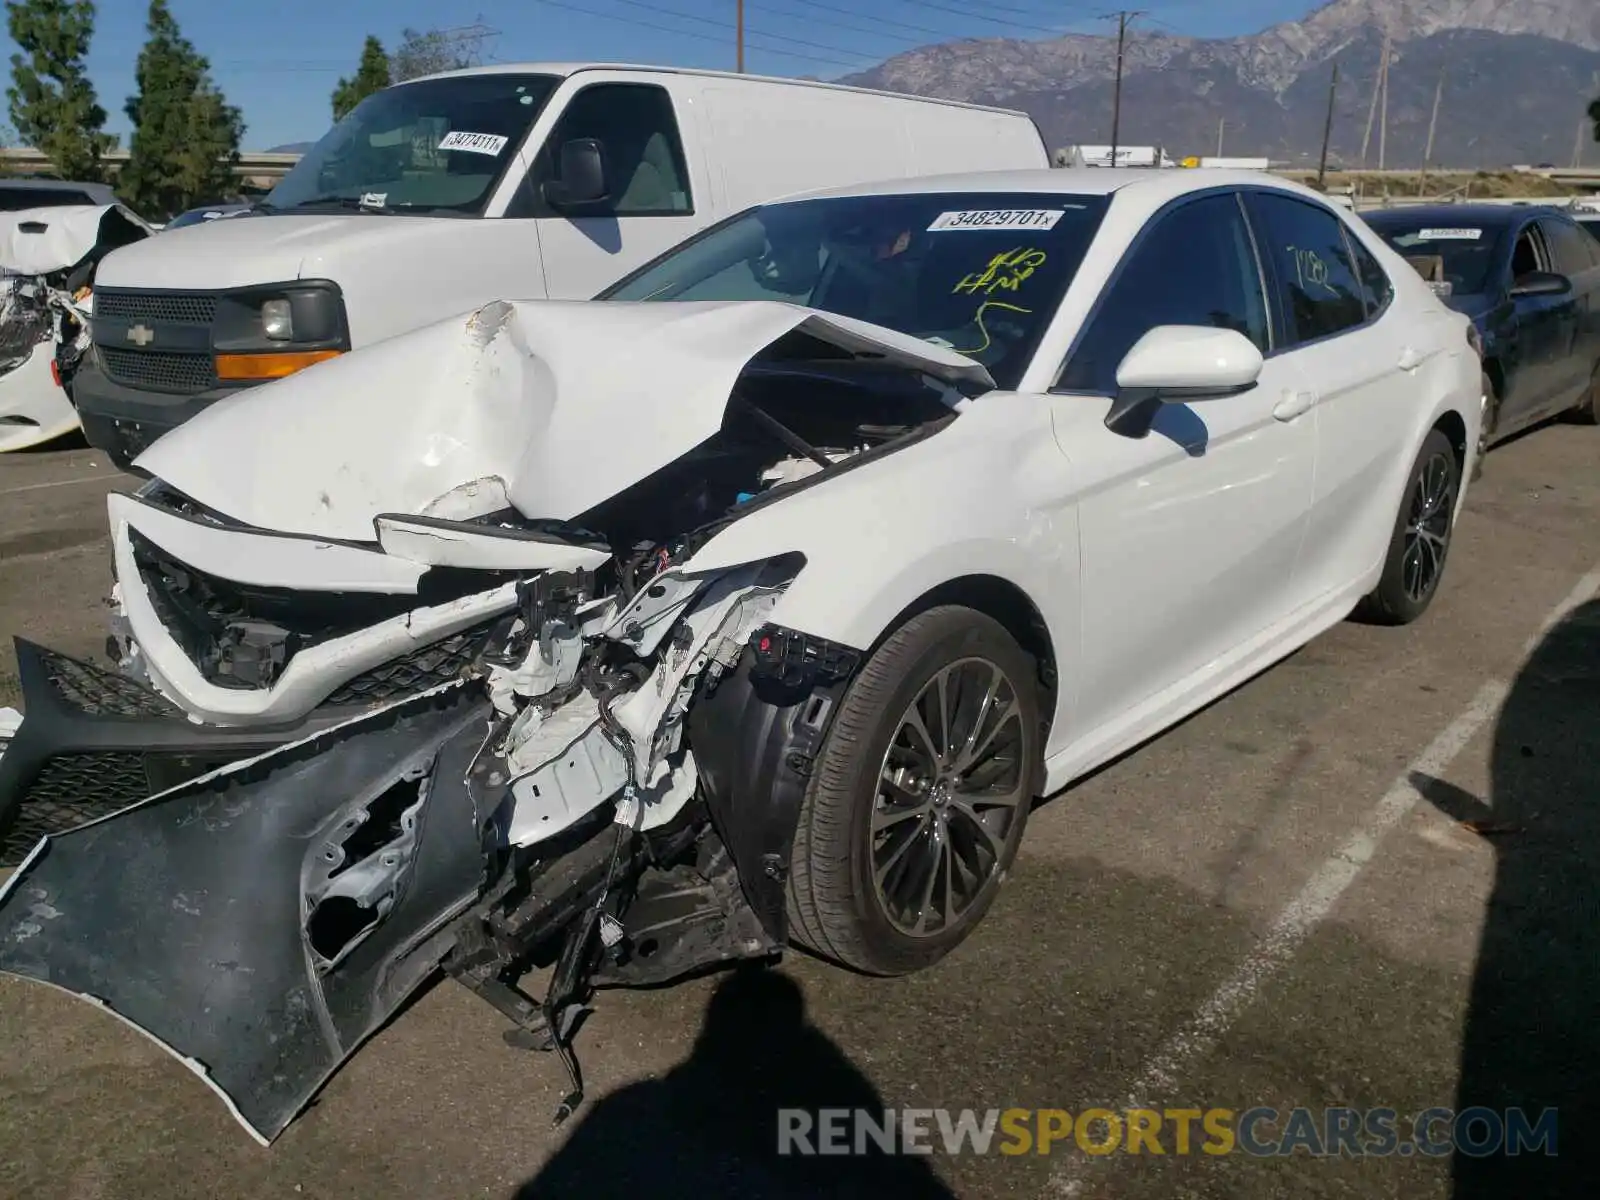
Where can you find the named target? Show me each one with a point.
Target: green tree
(185, 141)
(372, 75)
(433, 51)
(53, 104)
(1594, 115)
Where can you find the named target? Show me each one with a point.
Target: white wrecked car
(636, 636)
(47, 261)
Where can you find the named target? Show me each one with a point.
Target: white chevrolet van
(515, 181)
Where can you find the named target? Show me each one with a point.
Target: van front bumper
(123, 421)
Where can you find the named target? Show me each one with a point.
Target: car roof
(1154, 184)
(1487, 215)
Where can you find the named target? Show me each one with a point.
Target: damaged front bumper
(263, 920)
(288, 887)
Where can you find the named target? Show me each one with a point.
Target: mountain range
(1517, 77)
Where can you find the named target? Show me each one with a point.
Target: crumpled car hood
(69, 233)
(548, 407)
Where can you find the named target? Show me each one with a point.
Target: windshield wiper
(351, 202)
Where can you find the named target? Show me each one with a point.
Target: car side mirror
(1540, 283)
(1176, 364)
(583, 176)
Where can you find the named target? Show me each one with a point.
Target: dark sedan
(1529, 277)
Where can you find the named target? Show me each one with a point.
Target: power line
(972, 16)
(789, 12)
(851, 12)
(728, 25)
(689, 33)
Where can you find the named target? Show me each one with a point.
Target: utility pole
(1377, 87)
(1327, 131)
(741, 35)
(1383, 109)
(1116, 97)
(1222, 123)
(1433, 123)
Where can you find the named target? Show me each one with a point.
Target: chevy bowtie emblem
(141, 335)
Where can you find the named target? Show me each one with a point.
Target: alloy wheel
(948, 796)
(1427, 528)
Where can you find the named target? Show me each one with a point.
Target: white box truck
(519, 181)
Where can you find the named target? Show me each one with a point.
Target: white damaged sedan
(752, 605)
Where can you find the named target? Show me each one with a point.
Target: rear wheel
(920, 795)
(1421, 540)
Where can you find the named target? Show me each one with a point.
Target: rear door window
(1376, 290)
(1318, 292)
(1195, 266)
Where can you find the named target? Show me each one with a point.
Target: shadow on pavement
(709, 1128)
(1532, 1038)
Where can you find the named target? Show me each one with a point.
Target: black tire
(1430, 493)
(1587, 411)
(835, 907)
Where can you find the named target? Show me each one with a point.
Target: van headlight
(277, 320)
(272, 330)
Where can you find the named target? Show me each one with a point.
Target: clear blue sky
(279, 59)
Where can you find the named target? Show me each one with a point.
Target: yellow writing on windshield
(978, 319)
(1005, 272)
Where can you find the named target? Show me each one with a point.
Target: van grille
(177, 308)
(159, 371)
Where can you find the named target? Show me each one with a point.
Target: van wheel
(1420, 542)
(920, 795)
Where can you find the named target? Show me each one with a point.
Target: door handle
(1293, 405)
(1410, 360)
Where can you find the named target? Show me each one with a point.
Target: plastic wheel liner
(262, 921)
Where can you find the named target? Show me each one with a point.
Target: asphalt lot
(1276, 904)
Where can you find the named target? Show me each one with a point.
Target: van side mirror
(1541, 283)
(1176, 364)
(583, 176)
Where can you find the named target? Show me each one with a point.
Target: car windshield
(437, 146)
(1460, 253)
(1591, 226)
(980, 273)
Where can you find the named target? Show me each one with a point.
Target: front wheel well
(1005, 602)
(1496, 374)
(1455, 431)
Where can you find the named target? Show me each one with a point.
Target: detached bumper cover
(263, 921)
(94, 742)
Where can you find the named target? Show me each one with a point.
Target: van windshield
(437, 146)
(981, 273)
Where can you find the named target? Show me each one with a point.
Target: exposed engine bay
(48, 259)
(494, 742)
